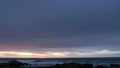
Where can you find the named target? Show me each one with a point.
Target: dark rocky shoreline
(16, 64)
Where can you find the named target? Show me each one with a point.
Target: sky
(59, 28)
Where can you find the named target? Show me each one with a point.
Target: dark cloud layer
(59, 23)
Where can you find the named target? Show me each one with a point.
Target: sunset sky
(59, 28)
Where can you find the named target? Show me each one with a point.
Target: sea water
(53, 61)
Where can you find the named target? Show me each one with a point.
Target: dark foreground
(16, 64)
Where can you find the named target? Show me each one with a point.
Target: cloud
(98, 52)
(101, 53)
(36, 25)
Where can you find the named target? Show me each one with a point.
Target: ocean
(53, 61)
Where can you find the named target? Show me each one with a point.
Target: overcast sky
(72, 28)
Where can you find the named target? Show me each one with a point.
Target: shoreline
(18, 64)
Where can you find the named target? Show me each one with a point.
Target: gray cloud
(58, 24)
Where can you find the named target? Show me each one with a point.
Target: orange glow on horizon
(12, 54)
(53, 54)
